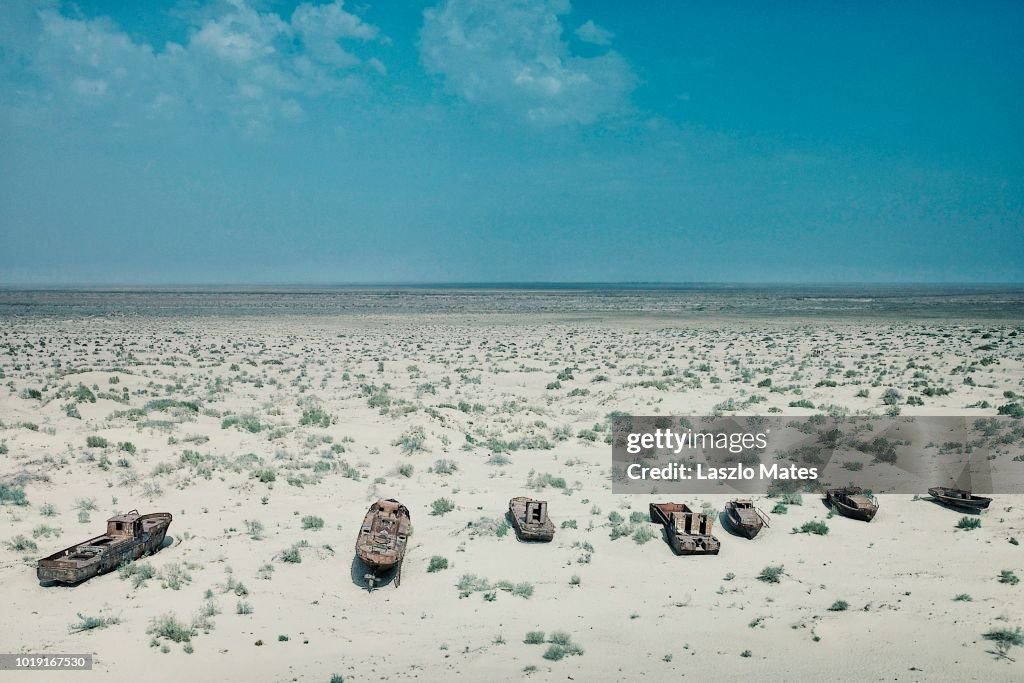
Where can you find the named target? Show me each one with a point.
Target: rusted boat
(382, 539)
(745, 518)
(959, 498)
(530, 519)
(852, 502)
(128, 537)
(689, 532)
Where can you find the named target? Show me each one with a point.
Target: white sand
(635, 604)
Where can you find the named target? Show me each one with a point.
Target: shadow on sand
(360, 570)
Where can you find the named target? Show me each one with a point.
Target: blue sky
(522, 140)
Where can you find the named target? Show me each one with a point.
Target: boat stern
(56, 574)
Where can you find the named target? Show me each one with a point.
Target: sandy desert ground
(268, 436)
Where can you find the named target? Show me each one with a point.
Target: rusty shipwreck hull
(745, 518)
(382, 539)
(530, 519)
(853, 503)
(959, 498)
(689, 532)
(128, 537)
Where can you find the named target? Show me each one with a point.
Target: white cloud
(511, 55)
(592, 33)
(252, 66)
(322, 27)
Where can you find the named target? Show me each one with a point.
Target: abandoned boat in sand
(745, 518)
(959, 498)
(128, 537)
(853, 502)
(530, 519)
(689, 532)
(382, 539)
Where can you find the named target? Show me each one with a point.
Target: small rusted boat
(382, 539)
(689, 532)
(852, 502)
(959, 498)
(745, 518)
(530, 519)
(128, 537)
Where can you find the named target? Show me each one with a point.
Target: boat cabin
(693, 523)
(122, 526)
(536, 512)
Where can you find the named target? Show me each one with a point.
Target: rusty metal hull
(852, 503)
(688, 532)
(530, 519)
(382, 539)
(744, 518)
(107, 552)
(959, 498)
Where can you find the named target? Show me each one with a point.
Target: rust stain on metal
(382, 539)
(959, 498)
(128, 537)
(745, 518)
(852, 502)
(530, 519)
(689, 532)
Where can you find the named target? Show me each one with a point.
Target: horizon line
(491, 284)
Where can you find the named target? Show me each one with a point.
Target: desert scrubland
(268, 436)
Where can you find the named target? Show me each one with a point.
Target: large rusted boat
(853, 502)
(128, 537)
(689, 532)
(382, 539)
(530, 519)
(745, 518)
(959, 498)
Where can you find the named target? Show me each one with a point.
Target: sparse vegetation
(1004, 639)
(208, 421)
(90, 623)
(12, 495)
(561, 646)
(643, 534)
(248, 423)
(311, 522)
(22, 544)
(315, 417)
(412, 440)
(137, 572)
(293, 555)
(814, 527)
(969, 523)
(168, 627)
(441, 507)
